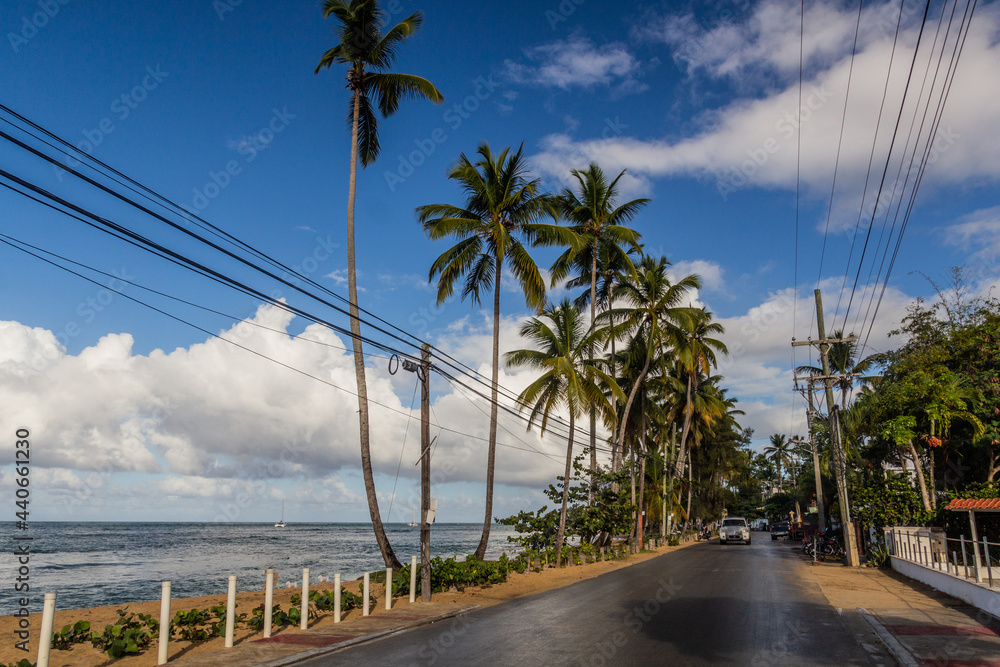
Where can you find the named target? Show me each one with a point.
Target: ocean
(91, 564)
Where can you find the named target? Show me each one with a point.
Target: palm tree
(501, 205)
(570, 380)
(843, 361)
(368, 53)
(696, 355)
(780, 452)
(599, 221)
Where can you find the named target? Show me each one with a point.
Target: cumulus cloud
(204, 418)
(577, 63)
(752, 140)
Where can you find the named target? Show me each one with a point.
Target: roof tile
(974, 504)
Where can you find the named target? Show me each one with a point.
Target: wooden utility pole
(850, 544)
(425, 472)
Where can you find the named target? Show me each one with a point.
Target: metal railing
(972, 560)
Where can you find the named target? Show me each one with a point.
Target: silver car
(734, 529)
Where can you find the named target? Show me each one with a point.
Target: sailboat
(281, 523)
(413, 523)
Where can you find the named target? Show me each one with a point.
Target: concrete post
(413, 579)
(230, 611)
(161, 652)
(975, 547)
(268, 601)
(388, 588)
(45, 638)
(336, 598)
(367, 593)
(304, 621)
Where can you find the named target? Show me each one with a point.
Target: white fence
(977, 561)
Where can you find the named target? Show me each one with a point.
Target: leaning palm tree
(502, 207)
(571, 380)
(599, 221)
(651, 312)
(368, 53)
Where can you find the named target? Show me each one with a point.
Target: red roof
(989, 504)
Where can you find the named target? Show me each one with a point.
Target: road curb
(900, 652)
(364, 639)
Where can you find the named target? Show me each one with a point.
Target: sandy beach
(85, 655)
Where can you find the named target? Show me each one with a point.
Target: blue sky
(216, 106)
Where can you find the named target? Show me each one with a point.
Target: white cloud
(752, 140)
(577, 63)
(979, 230)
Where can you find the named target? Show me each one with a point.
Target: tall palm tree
(599, 221)
(502, 207)
(780, 452)
(696, 356)
(651, 312)
(570, 380)
(369, 52)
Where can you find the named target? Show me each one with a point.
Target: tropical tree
(599, 221)
(696, 356)
(570, 380)
(502, 207)
(369, 51)
(843, 359)
(780, 452)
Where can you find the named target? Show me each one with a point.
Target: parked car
(734, 529)
(779, 529)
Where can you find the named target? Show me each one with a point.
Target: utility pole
(425, 472)
(814, 448)
(850, 545)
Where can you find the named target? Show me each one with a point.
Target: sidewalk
(918, 624)
(290, 646)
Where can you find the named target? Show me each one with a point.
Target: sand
(85, 655)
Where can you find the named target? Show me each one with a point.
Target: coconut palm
(599, 221)
(570, 380)
(696, 355)
(843, 358)
(502, 207)
(369, 51)
(651, 312)
(780, 452)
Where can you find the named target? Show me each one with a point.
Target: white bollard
(161, 652)
(413, 579)
(336, 598)
(268, 602)
(45, 639)
(367, 592)
(388, 588)
(304, 623)
(230, 611)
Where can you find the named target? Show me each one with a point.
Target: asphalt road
(707, 604)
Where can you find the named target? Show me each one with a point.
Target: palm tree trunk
(359, 358)
(685, 429)
(492, 454)
(690, 487)
(642, 478)
(615, 450)
(593, 411)
(920, 478)
(565, 498)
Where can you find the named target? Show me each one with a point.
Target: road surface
(707, 604)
